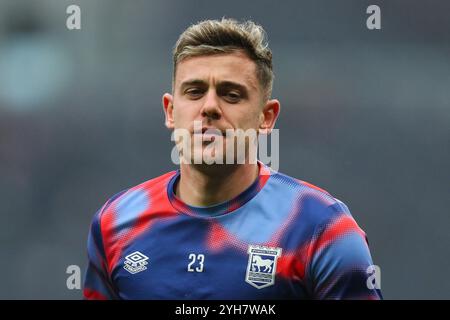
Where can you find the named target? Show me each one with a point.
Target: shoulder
(135, 198)
(317, 205)
(124, 216)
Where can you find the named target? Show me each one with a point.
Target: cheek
(249, 120)
(182, 113)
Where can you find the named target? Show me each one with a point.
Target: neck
(207, 185)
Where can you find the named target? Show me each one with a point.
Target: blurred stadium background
(365, 115)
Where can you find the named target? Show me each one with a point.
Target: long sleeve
(340, 259)
(97, 283)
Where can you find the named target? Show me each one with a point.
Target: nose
(211, 108)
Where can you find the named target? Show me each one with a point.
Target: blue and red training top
(281, 238)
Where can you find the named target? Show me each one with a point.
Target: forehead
(218, 67)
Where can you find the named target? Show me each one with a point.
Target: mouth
(210, 132)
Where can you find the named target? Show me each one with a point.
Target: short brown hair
(226, 36)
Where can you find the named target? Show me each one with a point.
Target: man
(225, 229)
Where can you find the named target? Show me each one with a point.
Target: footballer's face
(220, 92)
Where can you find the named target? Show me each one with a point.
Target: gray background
(365, 115)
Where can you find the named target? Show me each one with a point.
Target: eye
(194, 93)
(233, 96)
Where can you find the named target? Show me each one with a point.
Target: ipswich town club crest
(262, 265)
(135, 262)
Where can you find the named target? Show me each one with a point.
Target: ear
(269, 116)
(167, 101)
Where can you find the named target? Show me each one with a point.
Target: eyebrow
(192, 82)
(220, 84)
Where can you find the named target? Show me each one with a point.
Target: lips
(210, 134)
(211, 131)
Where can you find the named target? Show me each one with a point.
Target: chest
(184, 261)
